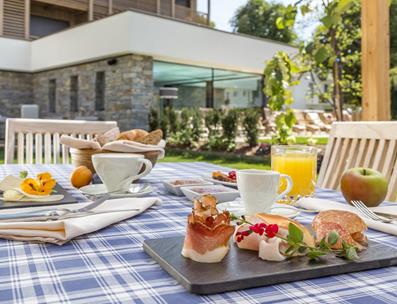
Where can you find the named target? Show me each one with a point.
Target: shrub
(154, 122)
(250, 124)
(189, 129)
(197, 125)
(229, 129)
(173, 120)
(212, 122)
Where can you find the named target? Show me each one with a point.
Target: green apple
(366, 185)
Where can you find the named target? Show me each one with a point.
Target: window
(100, 91)
(185, 3)
(52, 95)
(74, 94)
(206, 87)
(43, 26)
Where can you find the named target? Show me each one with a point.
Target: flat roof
(133, 32)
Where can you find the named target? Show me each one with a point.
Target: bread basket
(82, 157)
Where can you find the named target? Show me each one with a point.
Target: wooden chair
(31, 137)
(300, 126)
(314, 119)
(301, 119)
(360, 144)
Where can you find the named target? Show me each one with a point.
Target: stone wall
(15, 90)
(128, 91)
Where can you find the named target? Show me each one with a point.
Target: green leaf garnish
(294, 233)
(333, 237)
(23, 174)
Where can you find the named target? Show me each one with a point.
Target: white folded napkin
(78, 143)
(324, 204)
(62, 231)
(128, 146)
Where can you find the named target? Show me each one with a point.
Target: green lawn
(302, 140)
(235, 164)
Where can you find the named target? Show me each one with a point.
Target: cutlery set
(53, 214)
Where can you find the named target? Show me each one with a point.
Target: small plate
(215, 181)
(237, 208)
(176, 189)
(222, 193)
(135, 190)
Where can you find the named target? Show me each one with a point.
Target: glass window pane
(206, 87)
(237, 90)
(191, 82)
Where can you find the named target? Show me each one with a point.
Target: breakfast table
(110, 266)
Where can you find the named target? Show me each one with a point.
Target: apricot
(81, 176)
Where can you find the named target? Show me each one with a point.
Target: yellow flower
(42, 185)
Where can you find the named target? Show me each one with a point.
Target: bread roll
(134, 135)
(153, 138)
(283, 222)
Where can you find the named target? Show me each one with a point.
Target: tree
(258, 18)
(333, 56)
(329, 55)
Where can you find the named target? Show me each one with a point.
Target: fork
(368, 213)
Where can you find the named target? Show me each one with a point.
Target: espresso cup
(118, 170)
(258, 189)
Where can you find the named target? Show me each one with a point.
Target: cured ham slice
(269, 249)
(348, 225)
(250, 242)
(208, 232)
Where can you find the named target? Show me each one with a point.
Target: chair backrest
(37, 140)
(314, 118)
(360, 144)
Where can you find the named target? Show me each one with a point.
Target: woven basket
(82, 157)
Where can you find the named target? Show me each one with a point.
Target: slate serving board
(242, 269)
(67, 199)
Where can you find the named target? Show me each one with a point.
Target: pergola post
(375, 59)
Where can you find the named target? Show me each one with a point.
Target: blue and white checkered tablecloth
(110, 266)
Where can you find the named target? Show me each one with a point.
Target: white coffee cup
(118, 170)
(258, 189)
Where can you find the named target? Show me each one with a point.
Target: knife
(44, 214)
(387, 215)
(62, 217)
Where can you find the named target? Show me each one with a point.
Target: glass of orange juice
(300, 163)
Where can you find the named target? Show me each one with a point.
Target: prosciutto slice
(208, 232)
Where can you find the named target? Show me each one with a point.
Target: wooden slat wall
(14, 14)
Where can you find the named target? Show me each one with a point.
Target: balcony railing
(15, 21)
(102, 8)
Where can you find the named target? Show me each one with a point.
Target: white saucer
(215, 181)
(135, 190)
(237, 208)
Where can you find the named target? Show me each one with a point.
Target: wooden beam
(158, 7)
(27, 19)
(110, 7)
(173, 8)
(75, 5)
(375, 59)
(90, 10)
(1, 17)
